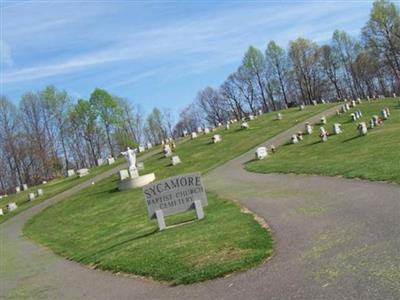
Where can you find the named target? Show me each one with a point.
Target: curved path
(336, 239)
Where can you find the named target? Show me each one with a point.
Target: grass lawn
(109, 229)
(375, 156)
(50, 189)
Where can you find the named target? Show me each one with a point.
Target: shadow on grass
(315, 143)
(105, 250)
(352, 138)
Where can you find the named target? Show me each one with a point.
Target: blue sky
(155, 53)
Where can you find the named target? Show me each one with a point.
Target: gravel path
(336, 239)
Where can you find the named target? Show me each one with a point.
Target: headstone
(323, 120)
(175, 160)
(362, 128)
(149, 146)
(244, 125)
(100, 162)
(294, 139)
(251, 117)
(227, 126)
(347, 106)
(323, 101)
(25, 187)
(279, 116)
(110, 160)
(308, 128)
(39, 192)
(260, 112)
(384, 114)
(206, 130)
(337, 112)
(123, 174)
(377, 120)
(140, 166)
(31, 196)
(44, 182)
(371, 124)
(83, 172)
(353, 103)
(358, 101)
(353, 117)
(314, 102)
(17, 189)
(216, 138)
(272, 147)
(12, 206)
(323, 134)
(174, 195)
(142, 149)
(1, 212)
(300, 135)
(261, 153)
(337, 128)
(219, 124)
(185, 133)
(301, 107)
(167, 150)
(193, 135)
(70, 172)
(199, 130)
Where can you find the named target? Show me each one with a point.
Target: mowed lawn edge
(109, 229)
(373, 157)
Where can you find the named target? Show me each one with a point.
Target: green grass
(375, 156)
(109, 229)
(50, 189)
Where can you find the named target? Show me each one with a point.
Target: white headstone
(216, 138)
(149, 146)
(141, 148)
(110, 160)
(140, 166)
(1, 212)
(314, 102)
(279, 116)
(175, 160)
(301, 107)
(251, 117)
(184, 133)
(260, 112)
(323, 101)
(308, 128)
(25, 187)
(11, 206)
(199, 130)
(206, 130)
(100, 162)
(362, 128)
(31, 196)
(40, 192)
(337, 128)
(17, 189)
(294, 139)
(323, 134)
(261, 152)
(384, 114)
(244, 125)
(70, 172)
(193, 135)
(123, 174)
(167, 150)
(353, 117)
(353, 103)
(227, 126)
(323, 120)
(83, 172)
(371, 124)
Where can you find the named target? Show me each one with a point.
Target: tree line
(48, 132)
(277, 78)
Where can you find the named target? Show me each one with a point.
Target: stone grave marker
(110, 160)
(39, 192)
(216, 138)
(12, 206)
(31, 196)
(123, 174)
(83, 172)
(25, 187)
(261, 153)
(175, 160)
(17, 189)
(70, 172)
(1, 212)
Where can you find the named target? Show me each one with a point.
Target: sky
(154, 53)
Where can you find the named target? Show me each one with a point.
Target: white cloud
(203, 42)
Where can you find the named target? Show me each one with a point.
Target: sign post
(175, 195)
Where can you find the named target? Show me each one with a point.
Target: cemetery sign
(174, 195)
